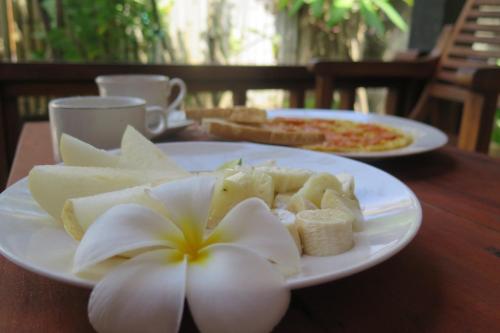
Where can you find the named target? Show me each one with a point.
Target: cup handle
(162, 125)
(182, 92)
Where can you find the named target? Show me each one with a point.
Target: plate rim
(403, 151)
(291, 284)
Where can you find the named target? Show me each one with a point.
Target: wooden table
(446, 280)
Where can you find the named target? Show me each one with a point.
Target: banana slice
(325, 232)
(345, 203)
(288, 219)
(286, 179)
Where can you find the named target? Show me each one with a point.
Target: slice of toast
(245, 115)
(238, 114)
(233, 131)
(200, 113)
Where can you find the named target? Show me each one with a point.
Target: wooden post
(324, 92)
(239, 96)
(297, 98)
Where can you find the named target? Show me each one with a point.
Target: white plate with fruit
(386, 215)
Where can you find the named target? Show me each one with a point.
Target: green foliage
(104, 30)
(374, 13)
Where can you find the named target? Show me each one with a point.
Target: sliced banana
(286, 179)
(325, 232)
(336, 200)
(288, 219)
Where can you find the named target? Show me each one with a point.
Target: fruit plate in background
(425, 137)
(33, 240)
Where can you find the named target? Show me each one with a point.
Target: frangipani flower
(229, 277)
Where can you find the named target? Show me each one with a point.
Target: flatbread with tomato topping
(345, 135)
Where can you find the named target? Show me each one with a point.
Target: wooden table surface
(446, 280)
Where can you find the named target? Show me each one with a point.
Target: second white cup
(154, 89)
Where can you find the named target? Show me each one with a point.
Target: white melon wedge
(139, 153)
(75, 152)
(79, 213)
(52, 185)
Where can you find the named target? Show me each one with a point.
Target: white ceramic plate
(425, 137)
(33, 240)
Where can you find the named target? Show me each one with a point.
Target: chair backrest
(474, 42)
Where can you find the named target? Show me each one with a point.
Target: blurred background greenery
(263, 32)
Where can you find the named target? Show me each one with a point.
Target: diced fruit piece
(139, 153)
(233, 164)
(325, 232)
(298, 203)
(79, 213)
(75, 152)
(286, 179)
(347, 182)
(52, 185)
(333, 199)
(288, 219)
(237, 187)
(316, 185)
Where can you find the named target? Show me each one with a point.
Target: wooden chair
(467, 72)
(461, 68)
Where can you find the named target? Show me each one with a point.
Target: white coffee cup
(154, 89)
(101, 121)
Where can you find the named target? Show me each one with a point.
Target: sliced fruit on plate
(286, 179)
(336, 200)
(139, 153)
(288, 219)
(316, 185)
(52, 185)
(236, 187)
(78, 153)
(79, 213)
(325, 232)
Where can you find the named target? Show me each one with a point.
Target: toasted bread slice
(200, 113)
(245, 115)
(238, 114)
(233, 131)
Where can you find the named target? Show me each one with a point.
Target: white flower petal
(235, 290)
(121, 229)
(187, 201)
(145, 294)
(252, 225)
